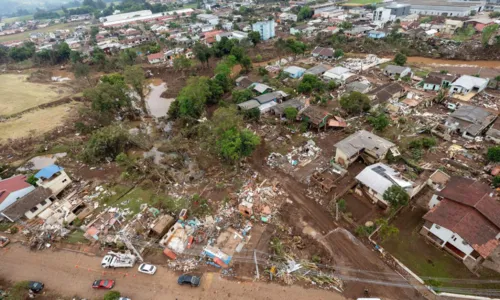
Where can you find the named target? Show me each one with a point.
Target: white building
(381, 16)
(30, 205)
(53, 178)
(208, 18)
(338, 74)
(288, 17)
(468, 84)
(265, 28)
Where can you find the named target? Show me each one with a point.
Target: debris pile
(300, 156)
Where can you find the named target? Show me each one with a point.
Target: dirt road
(71, 274)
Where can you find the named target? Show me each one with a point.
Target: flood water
(456, 63)
(40, 162)
(158, 106)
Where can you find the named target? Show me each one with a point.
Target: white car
(147, 269)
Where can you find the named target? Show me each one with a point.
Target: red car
(103, 284)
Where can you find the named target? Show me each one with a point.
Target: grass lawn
(26, 94)
(26, 34)
(37, 122)
(131, 201)
(428, 261)
(421, 73)
(364, 2)
(76, 237)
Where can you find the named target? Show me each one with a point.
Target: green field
(26, 34)
(15, 19)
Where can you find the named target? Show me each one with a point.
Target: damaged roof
(12, 184)
(379, 177)
(469, 210)
(323, 51)
(315, 114)
(471, 119)
(317, 70)
(387, 91)
(361, 140)
(395, 69)
(280, 108)
(16, 210)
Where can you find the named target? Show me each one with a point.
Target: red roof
(11, 185)
(468, 210)
(212, 33)
(153, 56)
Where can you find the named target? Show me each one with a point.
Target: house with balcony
(30, 205)
(54, 178)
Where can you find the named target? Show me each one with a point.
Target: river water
(158, 106)
(40, 162)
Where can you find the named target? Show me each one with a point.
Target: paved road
(71, 274)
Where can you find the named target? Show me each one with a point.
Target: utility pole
(336, 211)
(256, 265)
(129, 245)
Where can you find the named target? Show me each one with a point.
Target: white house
(288, 17)
(381, 16)
(468, 84)
(208, 18)
(392, 70)
(339, 74)
(30, 205)
(54, 178)
(370, 147)
(465, 221)
(12, 189)
(377, 178)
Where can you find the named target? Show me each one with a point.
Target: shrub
(428, 142)
(496, 181)
(494, 154)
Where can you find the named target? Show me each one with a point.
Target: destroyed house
(386, 92)
(317, 70)
(493, 134)
(323, 53)
(53, 177)
(315, 116)
(466, 220)
(370, 147)
(243, 82)
(470, 121)
(435, 81)
(377, 178)
(279, 109)
(30, 205)
(393, 71)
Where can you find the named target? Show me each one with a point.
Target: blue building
(294, 72)
(265, 28)
(376, 34)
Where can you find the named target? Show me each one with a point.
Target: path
(70, 274)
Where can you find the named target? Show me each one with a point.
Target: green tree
(106, 142)
(338, 53)
(81, 70)
(310, 83)
(215, 91)
(190, 102)
(236, 144)
(305, 13)
(488, 32)
(182, 63)
(396, 196)
(379, 121)
(252, 114)
(346, 25)
(98, 57)
(291, 113)
(246, 63)
(355, 102)
(113, 79)
(108, 98)
(32, 180)
(240, 96)
(134, 76)
(400, 59)
(385, 230)
(127, 57)
(112, 295)
(496, 181)
(202, 52)
(493, 154)
(75, 57)
(254, 37)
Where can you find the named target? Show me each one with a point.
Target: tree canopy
(396, 196)
(400, 59)
(355, 102)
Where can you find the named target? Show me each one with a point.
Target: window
(44, 202)
(34, 209)
(464, 243)
(438, 227)
(65, 180)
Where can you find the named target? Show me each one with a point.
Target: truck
(118, 260)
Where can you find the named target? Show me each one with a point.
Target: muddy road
(485, 68)
(360, 267)
(71, 274)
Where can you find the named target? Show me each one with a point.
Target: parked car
(124, 298)
(35, 286)
(189, 279)
(103, 284)
(147, 269)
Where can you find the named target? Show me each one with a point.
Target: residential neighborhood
(249, 149)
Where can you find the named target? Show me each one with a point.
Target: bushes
(106, 142)
(493, 154)
(379, 122)
(355, 102)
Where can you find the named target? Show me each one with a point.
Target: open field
(19, 95)
(26, 34)
(17, 19)
(38, 121)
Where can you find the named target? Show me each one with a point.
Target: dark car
(35, 286)
(189, 279)
(103, 284)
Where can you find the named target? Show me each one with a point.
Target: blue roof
(47, 172)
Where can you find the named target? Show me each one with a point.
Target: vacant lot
(18, 94)
(36, 122)
(26, 34)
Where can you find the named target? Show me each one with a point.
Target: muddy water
(158, 106)
(40, 162)
(456, 63)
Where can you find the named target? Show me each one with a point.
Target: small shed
(294, 71)
(162, 225)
